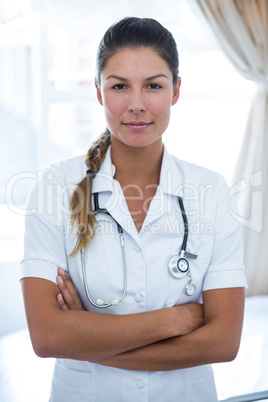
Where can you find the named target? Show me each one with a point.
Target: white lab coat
(213, 235)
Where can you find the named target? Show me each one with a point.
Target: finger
(65, 281)
(61, 302)
(68, 283)
(68, 290)
(66, 294)
(71, 288)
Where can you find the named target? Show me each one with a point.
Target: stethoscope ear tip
(101, 302)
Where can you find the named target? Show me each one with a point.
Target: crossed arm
(166, 339)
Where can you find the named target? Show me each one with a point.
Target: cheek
(162, 107)
(114, 107)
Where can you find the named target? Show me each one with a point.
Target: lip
(137, 125)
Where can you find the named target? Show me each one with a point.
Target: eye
(119, 87)
(154, 86)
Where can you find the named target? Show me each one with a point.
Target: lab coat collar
(171, 176)
(104, 178)
(171, 180)
(171, 183)
(170, 186)
(111, 196)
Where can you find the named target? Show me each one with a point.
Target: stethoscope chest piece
(178, 266)
(190, 289)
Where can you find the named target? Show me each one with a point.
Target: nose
(137, 102)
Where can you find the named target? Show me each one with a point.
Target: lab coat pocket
(201, 385)
(70, 385)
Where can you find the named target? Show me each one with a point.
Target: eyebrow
(147, 79)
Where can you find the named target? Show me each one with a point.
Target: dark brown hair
(133, 33)
(138, 32)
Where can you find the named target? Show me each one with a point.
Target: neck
(140, 166)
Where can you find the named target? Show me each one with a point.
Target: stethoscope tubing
(102, 303)
(173, 266)
(185, 223)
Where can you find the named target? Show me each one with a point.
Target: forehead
(140, 60)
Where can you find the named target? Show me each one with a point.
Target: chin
(136, 140)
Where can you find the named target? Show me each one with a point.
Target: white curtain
(241, 27)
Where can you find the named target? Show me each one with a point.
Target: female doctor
(133, 275)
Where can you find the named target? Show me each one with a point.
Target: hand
(189, 317)
(68, 298)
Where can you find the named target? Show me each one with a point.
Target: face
(137, 93)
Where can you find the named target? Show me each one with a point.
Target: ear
(99, 94)
(176, 92)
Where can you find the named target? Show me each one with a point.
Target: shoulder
(193, 173)
(66, 171)
(200, 183)
(55, 183)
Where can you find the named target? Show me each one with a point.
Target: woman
(142, 326)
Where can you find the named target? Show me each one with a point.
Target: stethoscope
(178, 264)
(99, 302)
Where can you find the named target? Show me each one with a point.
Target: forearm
(217, 341)
(194, 349)
(83, 335)
(90, 336)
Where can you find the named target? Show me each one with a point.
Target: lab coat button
(138, 298)
(140, 384)
(137, 249)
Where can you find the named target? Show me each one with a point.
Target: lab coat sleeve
(226, 268)
(44, 241)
